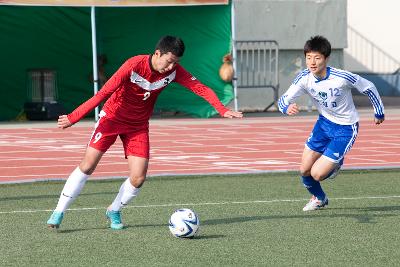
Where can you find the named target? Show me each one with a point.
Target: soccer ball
(184, 223)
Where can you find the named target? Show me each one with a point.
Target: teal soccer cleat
(55, 219)
(115, 219)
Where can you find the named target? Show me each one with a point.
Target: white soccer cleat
(315, 204)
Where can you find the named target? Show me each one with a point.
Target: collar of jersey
(151, 66)
(328, 72)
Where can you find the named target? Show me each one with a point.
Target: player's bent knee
(305, 172)
(137, 181)
(318, 176)
(87, 168)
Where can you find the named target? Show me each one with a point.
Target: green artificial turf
(245, 220)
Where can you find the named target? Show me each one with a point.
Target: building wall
(372, 45)
(378, 21)
(290, 23)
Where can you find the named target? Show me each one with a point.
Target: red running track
(40, 151)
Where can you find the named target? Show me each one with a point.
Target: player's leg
(308, 159)
(138, 169)
(342, 139)
(136, 147)
(313, 186)
(129, 189)
(315, 146)
(323, 167)
(332, 175)
(74, 185)
(102, 138)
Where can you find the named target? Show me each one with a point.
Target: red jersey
(132, 92)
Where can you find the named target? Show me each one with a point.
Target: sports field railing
(257, 66)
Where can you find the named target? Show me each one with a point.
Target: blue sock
(314, 187)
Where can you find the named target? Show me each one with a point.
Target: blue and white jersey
(332, 95)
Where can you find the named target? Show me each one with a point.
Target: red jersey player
(131, 94)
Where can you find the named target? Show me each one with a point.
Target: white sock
(125, 195)
(72, 189)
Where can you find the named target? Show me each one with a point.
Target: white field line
(205, 204)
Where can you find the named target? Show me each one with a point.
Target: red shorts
(134, 139)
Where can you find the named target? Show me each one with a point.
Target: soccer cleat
(315, 204)
(115, 219)
(55, 219)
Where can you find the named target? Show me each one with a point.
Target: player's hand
(63, 122)
(292, 109)
(233, 114)
(378, 121)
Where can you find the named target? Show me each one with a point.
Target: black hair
(319, 44)
(171, 44)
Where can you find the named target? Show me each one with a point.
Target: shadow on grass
(363, 217)
(68, 231)
(200, 236)
(382, 208)
(36, 197)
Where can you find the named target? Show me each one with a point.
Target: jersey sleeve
(184, 78)
(295, 90)
(119, 77)
(368, 88)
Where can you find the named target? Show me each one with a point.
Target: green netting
(60, 38)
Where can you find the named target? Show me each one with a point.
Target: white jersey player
(337, 126)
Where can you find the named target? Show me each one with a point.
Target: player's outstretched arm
(63, 122)
(292, 109)
(233, 114)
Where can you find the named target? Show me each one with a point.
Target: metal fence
(256, 66)
(42, 85)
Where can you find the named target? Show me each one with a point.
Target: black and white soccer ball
(184, 223)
